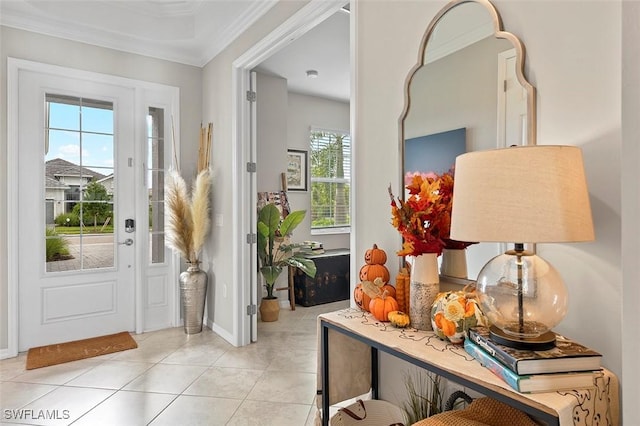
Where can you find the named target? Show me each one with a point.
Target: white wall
(217, 107)
(630, 208)
(573, 58)
(306, 112)
(40, 48)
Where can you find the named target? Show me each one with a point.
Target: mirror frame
(498, 33)
(520, 61)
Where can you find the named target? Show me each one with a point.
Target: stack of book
(311, 247)
(569, 365)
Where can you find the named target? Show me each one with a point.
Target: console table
(590, 406)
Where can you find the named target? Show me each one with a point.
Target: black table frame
(422, 363)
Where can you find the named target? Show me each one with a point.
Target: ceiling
(191, 32)
(325, 49)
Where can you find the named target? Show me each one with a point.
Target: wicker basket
(481, 412)
(372, 412)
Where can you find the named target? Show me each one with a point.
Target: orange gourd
(375, 256)
(381, 306)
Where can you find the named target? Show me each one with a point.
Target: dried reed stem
(204, 148)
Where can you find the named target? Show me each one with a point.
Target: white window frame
(331, 230)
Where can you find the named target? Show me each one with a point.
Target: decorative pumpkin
(381, 306)
(363, 296)
(399, 319)
(371, 272)
(375, 256)
(453, 313)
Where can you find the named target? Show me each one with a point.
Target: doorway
(88, 255)
(245, 135)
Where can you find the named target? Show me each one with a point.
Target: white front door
(76, 192)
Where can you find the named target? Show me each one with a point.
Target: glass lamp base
(543, 342)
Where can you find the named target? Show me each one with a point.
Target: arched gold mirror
(467, 92)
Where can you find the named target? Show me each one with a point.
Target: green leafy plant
(67, 219)
(57, 247)
(273, 250)
(425, 396)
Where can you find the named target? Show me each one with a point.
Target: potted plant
(275, 252)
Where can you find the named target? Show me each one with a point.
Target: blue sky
(97, 136)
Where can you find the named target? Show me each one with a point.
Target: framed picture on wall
(296, 170)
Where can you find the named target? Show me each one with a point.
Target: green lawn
(75, 230)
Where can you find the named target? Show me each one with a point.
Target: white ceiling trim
(238, 27)
(196, 51)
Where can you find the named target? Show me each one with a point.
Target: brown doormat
(45, 356)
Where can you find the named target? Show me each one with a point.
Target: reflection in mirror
(468, 83)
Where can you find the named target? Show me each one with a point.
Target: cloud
(70, 150)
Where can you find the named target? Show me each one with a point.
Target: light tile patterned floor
(176, 379)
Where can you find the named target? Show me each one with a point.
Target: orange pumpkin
(391, 290)
(375, 256)
(371, 272)
(380, 307)
(361, 298)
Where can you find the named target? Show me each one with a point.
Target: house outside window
(330, 165)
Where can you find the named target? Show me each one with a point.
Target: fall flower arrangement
(424, 218)
(188, 220)
(453, 313)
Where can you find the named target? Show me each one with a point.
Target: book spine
(490, 347)
(497, 368)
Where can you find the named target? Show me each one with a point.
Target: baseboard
(4, 354)
(221, 332)
(284, 304)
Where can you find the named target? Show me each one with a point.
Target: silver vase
(193, 292)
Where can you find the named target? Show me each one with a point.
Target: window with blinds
(330, 165)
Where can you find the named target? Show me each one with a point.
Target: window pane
(64, 116)
(64, 145)
(97, 150)
(97, 120)
(330, 177)
(155, 183)
(79, 184)
(329, 204)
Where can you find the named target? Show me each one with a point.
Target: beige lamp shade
(524, 194)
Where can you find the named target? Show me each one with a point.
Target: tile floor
(176, 379)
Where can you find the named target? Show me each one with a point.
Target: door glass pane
(155, 182)
(79, 184)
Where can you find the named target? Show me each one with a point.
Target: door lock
(129, 225)
(127, 242)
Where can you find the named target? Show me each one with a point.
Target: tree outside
(96, 206)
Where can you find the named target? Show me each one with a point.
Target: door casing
(245, 200)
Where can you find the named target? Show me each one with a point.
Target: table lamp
(523, 194)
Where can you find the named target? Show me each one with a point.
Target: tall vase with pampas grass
(188, 226)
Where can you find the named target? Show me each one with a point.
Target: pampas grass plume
(188, 218)
(180, 222)
(200, 209)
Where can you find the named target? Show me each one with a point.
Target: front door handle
(127, 242)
